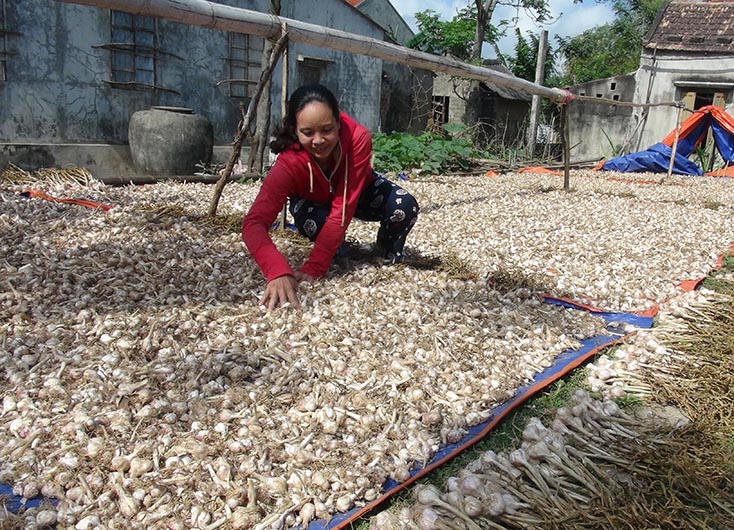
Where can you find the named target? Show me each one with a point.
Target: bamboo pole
(565, 148)
(227, 18)
(283, 111)
(245, 124)
(675, 143)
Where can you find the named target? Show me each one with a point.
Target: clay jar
(167, 141)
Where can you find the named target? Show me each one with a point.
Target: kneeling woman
(324, 169)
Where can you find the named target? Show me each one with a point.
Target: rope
(674, 104)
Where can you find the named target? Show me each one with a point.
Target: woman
(324, 168)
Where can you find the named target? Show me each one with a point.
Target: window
(245, 64)
(613, 86)
(310, 69)
(134, 51)
(309, 75)
(440, 110)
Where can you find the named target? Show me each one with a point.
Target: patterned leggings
(383, 201)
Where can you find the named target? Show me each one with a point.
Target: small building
(598, 129)
(687, 56)
(406, 92)
(498, 114)
(71, 76)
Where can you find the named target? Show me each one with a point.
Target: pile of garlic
(144, 387)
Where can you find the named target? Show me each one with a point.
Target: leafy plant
(431, 152)
(615, 150)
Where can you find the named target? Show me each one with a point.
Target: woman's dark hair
(285, 135)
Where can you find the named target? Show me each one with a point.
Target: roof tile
(694, 27)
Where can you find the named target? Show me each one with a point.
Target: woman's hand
(279, 291)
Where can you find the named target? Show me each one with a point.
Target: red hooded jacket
(296, 174)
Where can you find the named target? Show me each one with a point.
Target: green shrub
(430, 152)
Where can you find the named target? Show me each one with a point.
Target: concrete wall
(406, 93)
(671, 76)
(503, 119)
(354, 79)
(591, 123)
(385, 14)
(57, 96)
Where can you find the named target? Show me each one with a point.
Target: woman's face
(318, 130)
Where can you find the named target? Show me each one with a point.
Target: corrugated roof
(704, 27)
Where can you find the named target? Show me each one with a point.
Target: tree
(611, 49)
(484, 10)
(454, 37)
(464, 35)
(526, 56)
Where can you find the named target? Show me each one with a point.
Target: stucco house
(688, 56)
(406, 92)
(498, 114)
(71, 76)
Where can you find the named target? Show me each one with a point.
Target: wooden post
(283, 110)
(245, 125)
(565, 148)
(675, 144)
(535, 106)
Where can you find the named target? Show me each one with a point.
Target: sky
(570, 19)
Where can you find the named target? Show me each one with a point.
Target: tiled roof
(706, 27)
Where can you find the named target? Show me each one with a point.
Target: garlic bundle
(555, 472)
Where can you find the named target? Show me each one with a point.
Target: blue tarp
(655, 159)
(691, 134)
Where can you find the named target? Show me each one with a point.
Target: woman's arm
(264, 211)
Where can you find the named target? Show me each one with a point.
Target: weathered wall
(354, 79)
(406, 93)
(502, 119)
(593, 125)
(667, 77)
(56, 88)
(384, 13)
(56, 91)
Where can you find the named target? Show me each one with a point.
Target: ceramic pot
(168, 141)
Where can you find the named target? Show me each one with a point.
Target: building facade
(496, 115)
(406, 92)
(687, 57)
(71, 77)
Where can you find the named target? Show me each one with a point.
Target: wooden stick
(227, 18)
(675, 144)
(565, 149)
(245, 125)
(283, 110)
